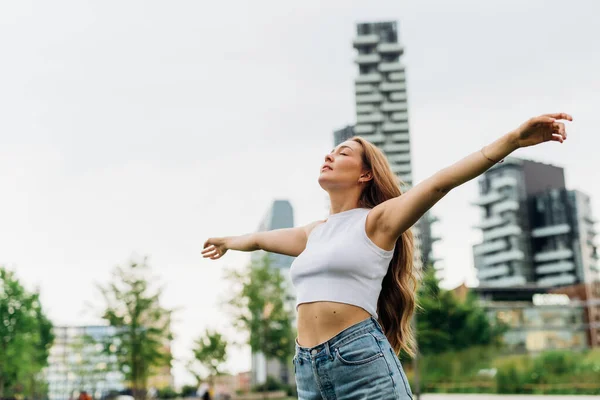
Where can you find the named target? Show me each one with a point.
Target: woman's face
(342, 167)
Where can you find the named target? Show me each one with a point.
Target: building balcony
(552, 230)
(374, 138)
(387, 107)
(506, 281)
(398, 96)
(369, 78)
(366, 59)
(364, 128)
(493, 272)
(506, 205)
(553, 255)
(560, 266)
(490, 222)
(368, 118)
(364, 88)
(489, 247)
(503, 181)
(396, 147)
(399, 158)
(400, 137)
(401, 168)
(400, 116)
(392, 86)
(365, 40)
(557, 280)
(369, 98)
(397, 76)
(390, 48)
(503, 257)
(390, 67)
(395, 127)
(365, 108)
(497, 233)
(489, 198)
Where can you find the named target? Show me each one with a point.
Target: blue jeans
(357, 363)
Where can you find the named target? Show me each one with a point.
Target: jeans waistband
(326, 347)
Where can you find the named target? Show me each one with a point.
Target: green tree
(25, 339)
(88, 367)
(259, 307)
(446, 323)
(210, 351)
(143, 326)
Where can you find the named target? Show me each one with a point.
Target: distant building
(535, 231)
(541, 319)
(280, 215)
(77, 363)
(382, 114)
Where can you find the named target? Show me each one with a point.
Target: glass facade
(539, 328)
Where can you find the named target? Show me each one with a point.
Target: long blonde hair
(397, 301)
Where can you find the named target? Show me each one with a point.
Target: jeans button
(314, 352)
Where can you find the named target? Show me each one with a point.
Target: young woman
(354, 273)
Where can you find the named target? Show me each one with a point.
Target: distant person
(204, 392)
(354, 274)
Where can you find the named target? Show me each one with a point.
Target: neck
(343, 201)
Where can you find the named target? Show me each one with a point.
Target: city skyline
(142, 132)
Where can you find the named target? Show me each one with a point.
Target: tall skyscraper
(382, 113)
(280, 215)
(535, 231)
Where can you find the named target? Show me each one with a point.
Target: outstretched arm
(392, 217)
(289, 241)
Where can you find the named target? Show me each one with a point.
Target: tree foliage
(25, 339)
(210, 351)
(143, 327)
(446, 323)
(259, 307)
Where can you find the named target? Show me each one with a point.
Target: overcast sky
(143, 127)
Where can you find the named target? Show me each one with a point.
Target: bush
(166, 393)
(272, 384)
(188, 391)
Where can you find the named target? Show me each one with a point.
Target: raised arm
(390, 219)
(290, 241)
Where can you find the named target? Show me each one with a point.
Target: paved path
(462, 396)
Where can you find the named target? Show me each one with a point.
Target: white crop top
(341, 264)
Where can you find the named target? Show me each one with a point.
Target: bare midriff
(322, 320)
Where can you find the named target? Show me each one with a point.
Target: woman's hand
(542, 129)
(215, 248)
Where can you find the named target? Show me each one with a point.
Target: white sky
(144, 127)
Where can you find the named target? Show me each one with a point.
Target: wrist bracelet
(489, 159)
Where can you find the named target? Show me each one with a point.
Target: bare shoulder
(309, 228)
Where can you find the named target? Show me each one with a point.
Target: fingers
(542, 119)
(559, 116)
(557, 138)
(213, 254)
(208, 248)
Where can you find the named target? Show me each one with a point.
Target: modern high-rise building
(538, 243)
(280, 215)
(77, 363)
(535, 231)
(382, 114)
(381, 100)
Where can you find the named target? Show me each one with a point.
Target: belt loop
(379, 327)
(328, 351)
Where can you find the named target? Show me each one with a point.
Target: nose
(329, 157)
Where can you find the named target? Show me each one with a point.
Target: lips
(326, 168)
